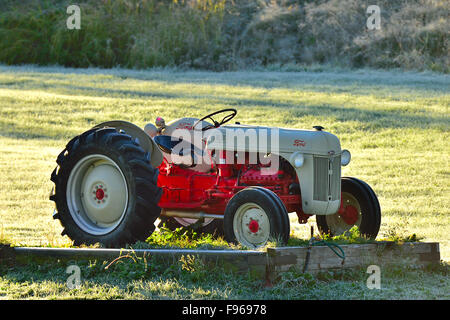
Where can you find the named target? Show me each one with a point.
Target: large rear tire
(105, 189)
(360, 208)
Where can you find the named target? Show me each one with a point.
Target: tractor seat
(167, 143)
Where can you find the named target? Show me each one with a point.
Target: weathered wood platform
(356, 255)
(267, 264)
(236, 260)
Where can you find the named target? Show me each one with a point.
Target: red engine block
(187, 189)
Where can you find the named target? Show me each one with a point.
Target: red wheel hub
(253, 226)
(100, 194)
(349, 214)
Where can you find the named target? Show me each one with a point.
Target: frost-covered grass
(395, 124)
(190, 279)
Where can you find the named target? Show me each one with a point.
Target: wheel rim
(339, 223)
(97, 194)
(251, 225)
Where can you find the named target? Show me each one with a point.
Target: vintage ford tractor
(115, 180)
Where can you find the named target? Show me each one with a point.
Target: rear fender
(143, 138)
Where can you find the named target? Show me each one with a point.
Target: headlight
(345, 157)
(297, 160)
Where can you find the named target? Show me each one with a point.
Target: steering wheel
(228, 117)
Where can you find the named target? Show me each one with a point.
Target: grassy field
(395, 124)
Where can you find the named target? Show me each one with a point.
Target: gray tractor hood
(272, 140)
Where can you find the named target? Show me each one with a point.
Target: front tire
(360, 207)
(254, 216)
(105, 189)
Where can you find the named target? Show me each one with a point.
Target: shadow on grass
(360, 82)
(368, 119)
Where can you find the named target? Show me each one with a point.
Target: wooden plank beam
(236, 260)
(356, 255)
(259, 263)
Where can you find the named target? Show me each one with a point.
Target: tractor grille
(327, 178)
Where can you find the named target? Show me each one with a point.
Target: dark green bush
(226, 34)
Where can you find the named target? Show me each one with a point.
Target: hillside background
(227, 34)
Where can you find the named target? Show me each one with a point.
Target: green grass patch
(353, 236)
(185, 238)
